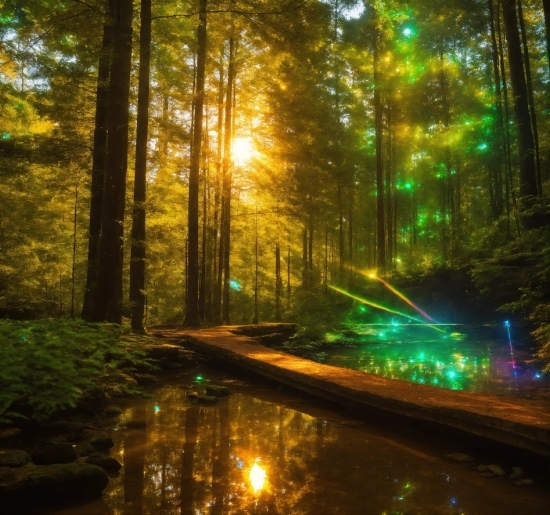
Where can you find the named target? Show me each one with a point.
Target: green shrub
(50, 365)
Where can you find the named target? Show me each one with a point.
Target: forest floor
(517, 422)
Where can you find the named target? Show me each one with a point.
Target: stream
(271, 450)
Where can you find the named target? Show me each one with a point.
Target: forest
(207, 162)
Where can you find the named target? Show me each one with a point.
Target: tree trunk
(526, 145)
(495, 182)
(192, 315)
(108, 301)
(278, 283)
(227, 177)
(546, 8)
(305, 274)
(530, 97)
(99, 162)
(380, 225)
(137, 254)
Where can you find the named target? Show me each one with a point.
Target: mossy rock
(24, 488)
(217, 391)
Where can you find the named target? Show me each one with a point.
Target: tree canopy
(285, 146)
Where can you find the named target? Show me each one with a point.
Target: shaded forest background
(284, 149)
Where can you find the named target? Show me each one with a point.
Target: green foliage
(50, 365)
(317, 314)
(518, 277)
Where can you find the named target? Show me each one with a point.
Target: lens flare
(257, 477)
(399, 294)
(378, 306)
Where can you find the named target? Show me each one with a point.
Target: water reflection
(247, 455)
(455, 361)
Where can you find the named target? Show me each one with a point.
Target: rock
(495, 469)
(136, 424)
(66, 426)
(207, 400)
(112, 410)
(164, 352)
(144, 379)
(172, 365)
(186, 356)
(193, 395)
(105, 462)
(101, 441)
(14, 458)
(53, 453)
(9, 432)
(487, 474)
(482, 468)
(25, 487)
(458, 456)
(217, 391)
(517, 472)
(84, 449)
(52, 440)
(525, 482)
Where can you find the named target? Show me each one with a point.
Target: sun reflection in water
(257, 477)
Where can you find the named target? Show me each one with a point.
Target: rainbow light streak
(369, 303)
(378, 306)
(399, 294)
(507, 325)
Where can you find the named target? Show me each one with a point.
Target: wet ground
(266, 449)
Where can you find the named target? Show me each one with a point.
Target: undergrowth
(50, 365)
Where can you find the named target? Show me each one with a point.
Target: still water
(453, 357)
(267, 451)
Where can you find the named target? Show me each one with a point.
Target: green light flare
(157, 409)
(6, 135)
(481, 147)
(407, 32)
(199, 378)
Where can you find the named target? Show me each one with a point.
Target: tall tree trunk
(108, 301)
(526, 145)
(305, 274)
(192, 316)
(508, 183)
(278, 283)
(137, 254)
(203, 286)
(388, 180)
(216, 316)
(227, 176)
(380, 212)
(99, 162)
(495, 182)
(530, 96)
(546, 8)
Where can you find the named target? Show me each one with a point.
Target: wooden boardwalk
(521, 423)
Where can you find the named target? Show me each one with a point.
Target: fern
(50, 365)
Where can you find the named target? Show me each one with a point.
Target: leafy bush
(49, 365)
(518, 277)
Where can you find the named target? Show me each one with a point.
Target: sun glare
(257, 477)
(242, 151)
